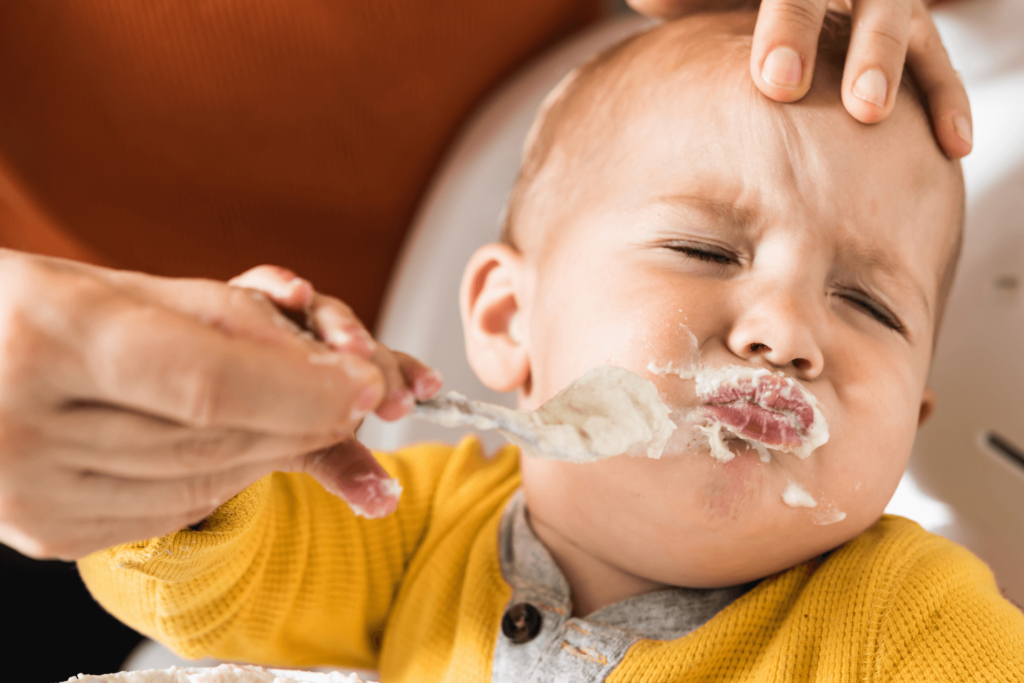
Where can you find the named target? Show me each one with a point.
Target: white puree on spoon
(611, 411)
(608, 411)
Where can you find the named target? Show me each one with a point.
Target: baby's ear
(927, 406)
(490, 298)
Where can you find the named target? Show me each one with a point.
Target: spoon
(608, 411)
(455, 410)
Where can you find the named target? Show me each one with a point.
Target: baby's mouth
(763, 408)
(767, 409)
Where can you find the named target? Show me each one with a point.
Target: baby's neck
(593, 582)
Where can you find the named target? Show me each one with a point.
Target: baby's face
(787, 237)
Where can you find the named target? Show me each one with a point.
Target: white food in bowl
(225, 673)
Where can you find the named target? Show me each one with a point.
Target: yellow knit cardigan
(285, 574)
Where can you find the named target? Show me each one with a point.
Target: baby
(666, 215)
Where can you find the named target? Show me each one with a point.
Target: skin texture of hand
(348, 469)
(886, 34)
(132, 406)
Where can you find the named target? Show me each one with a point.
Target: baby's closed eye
(703, 252)
(866, 304)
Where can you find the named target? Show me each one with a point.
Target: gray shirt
(540, 640)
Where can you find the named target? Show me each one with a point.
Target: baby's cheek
(860, 467)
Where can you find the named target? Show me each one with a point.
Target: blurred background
(461, 119)
(199, 139)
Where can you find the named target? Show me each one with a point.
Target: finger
(284, 287)
(948, 105)
(171, 366)
(400, 399)
(101, 496)
(874, 63)
(235, 310)
(329, 318)
(349, 471)
(337, 325)
(784, 48)
(424, 380)
(121, 444)
(64, 541)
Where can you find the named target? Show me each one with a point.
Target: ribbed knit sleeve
(948, 622)
(283, 574)
(895, 604)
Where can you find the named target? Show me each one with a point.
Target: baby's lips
(772, 429)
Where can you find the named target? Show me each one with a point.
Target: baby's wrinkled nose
(779, 329)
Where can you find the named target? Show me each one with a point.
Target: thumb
(349, 471)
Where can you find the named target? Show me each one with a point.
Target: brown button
(521, 623)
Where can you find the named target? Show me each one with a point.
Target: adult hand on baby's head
(886, 34)
(132, 405)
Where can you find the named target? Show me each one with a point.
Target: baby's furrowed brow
(859, 256)
(718, 209)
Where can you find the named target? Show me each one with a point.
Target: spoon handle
(455, 410)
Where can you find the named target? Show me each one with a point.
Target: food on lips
(761, 407)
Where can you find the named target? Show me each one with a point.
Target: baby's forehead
(681, 96)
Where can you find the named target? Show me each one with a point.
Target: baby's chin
(687, 519)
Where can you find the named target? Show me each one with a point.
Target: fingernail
(400, 402)
(353, 339)
(872, 86)
(405, 399)
(783, 68)
(371, 496)
(428, 384)
(337, 338)
(963, 128)
(286, 290)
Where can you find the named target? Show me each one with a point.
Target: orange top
(203, 138)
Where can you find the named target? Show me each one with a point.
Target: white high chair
(971, 454)
(461, 212)
(975, 489)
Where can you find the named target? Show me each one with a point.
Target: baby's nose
(780, 332)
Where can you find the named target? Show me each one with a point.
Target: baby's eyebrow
(849, 248)
(862, 256)
(731, 212)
